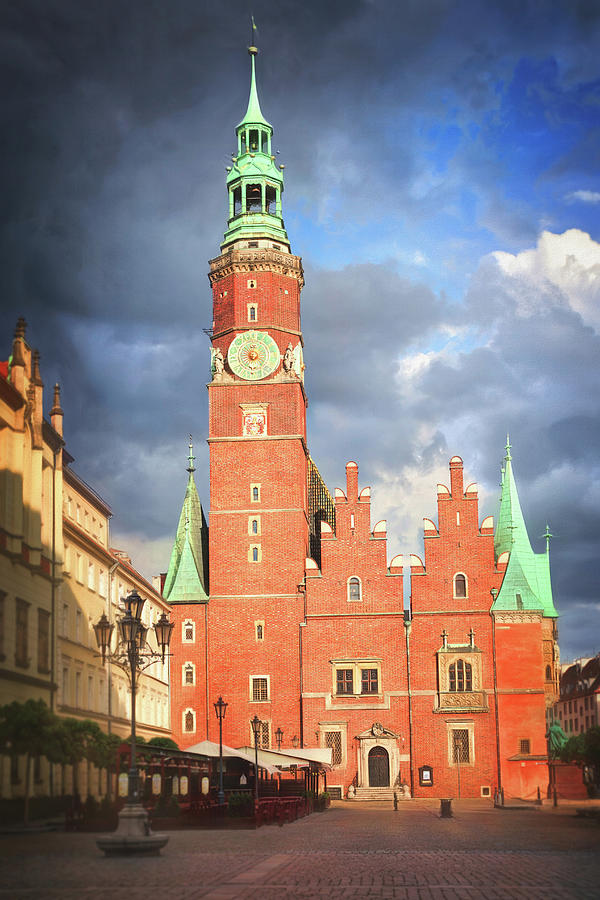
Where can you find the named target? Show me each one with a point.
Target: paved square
(355, 851)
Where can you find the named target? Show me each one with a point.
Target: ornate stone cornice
(514, 617)
(259, 259)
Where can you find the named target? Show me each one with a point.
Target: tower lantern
(254, 183)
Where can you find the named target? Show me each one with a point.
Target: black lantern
(103, 630)
(134, 604)
(220, 710)
(279, 738)
(163, 631)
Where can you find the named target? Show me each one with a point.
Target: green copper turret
(254, 183)
(526, 584)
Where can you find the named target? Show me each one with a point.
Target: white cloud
(583, 197)
(563, 270)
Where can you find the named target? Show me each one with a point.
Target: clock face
(253, 355)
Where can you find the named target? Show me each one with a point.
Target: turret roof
(187, 577)
(526, 584)
(254, 114)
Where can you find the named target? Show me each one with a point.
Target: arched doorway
(379, 767)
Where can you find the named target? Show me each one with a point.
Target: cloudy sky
(442, 187)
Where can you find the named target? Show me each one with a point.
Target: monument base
(133, 836)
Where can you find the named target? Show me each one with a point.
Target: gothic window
(344, 681)
(549, 675)
(369, 681)
(255, 553)
(259, 688)
(333, 740)
(354, 588)
(255, 493)
(189, 720)
(460, 745)
(260, 631)
(460, 676)
(460, 586)
(252, 312)
(189, 673)
(188, 632)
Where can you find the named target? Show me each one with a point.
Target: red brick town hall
(286, 603)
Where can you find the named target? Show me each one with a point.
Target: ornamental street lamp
(133, 654)
(256, 727)
(220, 710)
(279, 738)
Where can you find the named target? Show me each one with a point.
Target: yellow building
(57, 576)
(30, 540)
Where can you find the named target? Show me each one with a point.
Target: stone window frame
(353, 579)
(187, 712)
(341, 728)
(460, 676)
(188, 666)
(22, 659)
(251, 520)
(255, 488)
(264, 739)
(357, 666)
(256, 688)
(255, 553)
(469, 727)
(43, 644)
(187, 623)
(450, 656)
(252, 308)
(455, 594)
(259, 630)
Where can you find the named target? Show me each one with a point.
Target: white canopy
(283, 759)
(210, 748)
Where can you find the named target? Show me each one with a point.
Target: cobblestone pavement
(352, 850)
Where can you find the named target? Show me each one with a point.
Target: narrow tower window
(270, 200)
(354, 588)
(237, 201)
(460, 586)
(253, 198)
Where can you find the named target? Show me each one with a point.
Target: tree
(103, 754)
(77, 740)
(164, 743)
(28, 729)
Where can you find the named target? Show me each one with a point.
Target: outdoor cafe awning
(210, 748)
(303, 758)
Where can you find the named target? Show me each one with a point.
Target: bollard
(445, 809)
(539, 797)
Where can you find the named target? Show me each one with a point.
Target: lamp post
(256, 723)
(133, 654)
(220, 710)
(279, 738)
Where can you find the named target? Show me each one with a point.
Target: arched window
(189, 720)
(254, 526)
(255, 554)
(460, 676)
(255, 493)
(189, 674)
(460, 585)
(259, 631)
(354, 588)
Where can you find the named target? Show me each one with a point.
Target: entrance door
(379, 767)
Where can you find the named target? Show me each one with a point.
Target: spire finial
(191, 457)
(548, 535)
(252, 49)
(508, 447)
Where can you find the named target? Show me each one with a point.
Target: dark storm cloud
(415, 141)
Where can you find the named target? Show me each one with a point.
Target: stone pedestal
(133, 835)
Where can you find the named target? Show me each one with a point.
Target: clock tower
(259, 534)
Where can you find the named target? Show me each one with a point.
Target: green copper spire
(187, 577)
(526, 584)
(254, 182)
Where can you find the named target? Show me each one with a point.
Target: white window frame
(454, 594)
(183, 717)
(184, 626)
(187, 665)
(251, 554)
(357, 665)
(251, 680)
(451, 727)
(353, 599)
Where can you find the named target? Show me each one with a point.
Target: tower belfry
(258, 536)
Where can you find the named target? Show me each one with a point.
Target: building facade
(58, 574)
(296, 616)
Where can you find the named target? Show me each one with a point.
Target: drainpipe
(301, 625)
(111, 572)
(205, 664)
(494, 593)
(407, 628)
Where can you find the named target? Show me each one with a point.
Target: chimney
(456, 477)
(351, 481)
